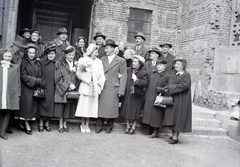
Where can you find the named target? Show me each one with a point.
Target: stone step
(202, 122)
(203, 114)
(208, 131)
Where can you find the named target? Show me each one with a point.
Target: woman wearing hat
(179, 116)
(10, 91)
(153, 116)
(36, 39)
(66, 81)
(30, 81)
(137, 81)
(90, 73)
(154, 54)
(46, 105)
(80, 47)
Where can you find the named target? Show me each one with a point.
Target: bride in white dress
(91, 74)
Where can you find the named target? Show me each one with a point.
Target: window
(235, 26)
(139, 21)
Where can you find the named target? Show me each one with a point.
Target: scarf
(5, 63)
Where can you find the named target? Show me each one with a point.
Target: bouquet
(85, 64)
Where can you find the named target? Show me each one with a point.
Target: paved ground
(115, 150)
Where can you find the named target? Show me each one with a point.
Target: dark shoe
(127, 130)
(132, 131)
(98, 130)
(29, 132)
(108, 130)
(40, 129)
(9, 131)
(60, 130)
(66, 129)
(3, 137)
(172, 141)
(148, 132)
(48, 128)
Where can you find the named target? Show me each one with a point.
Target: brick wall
(195, 28)
(111, 18)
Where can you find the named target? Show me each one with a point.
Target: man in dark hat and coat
(26, 34)
(115, 71)
(154, 54)
(61, 42)
(100, 38)
(165, 55)
(139, 47)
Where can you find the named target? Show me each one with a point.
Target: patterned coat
(63, 78)
(116, 80)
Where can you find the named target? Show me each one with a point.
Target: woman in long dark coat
(66, 80)
(30, 80)
(10, 91)
(137, 81)
(153, 116)
(80, 47)
(46, 105)
(179, 116)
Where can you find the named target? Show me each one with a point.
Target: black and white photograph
(119, 83)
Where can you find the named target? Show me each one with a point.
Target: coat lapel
(66, 64)
(112, 64)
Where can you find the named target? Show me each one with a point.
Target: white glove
(134, 77)
(72, 87)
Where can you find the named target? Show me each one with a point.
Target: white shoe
(88, 130)
(83, 129)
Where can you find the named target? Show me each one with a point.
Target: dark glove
(159, 90)
(38, 82)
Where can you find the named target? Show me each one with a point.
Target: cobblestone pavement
(115, 150)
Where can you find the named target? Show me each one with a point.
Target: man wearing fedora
(115, 71)
(154, 54)
(139, 47)
(26, 34)
(61, 42)
(100, 38)
(165, 55)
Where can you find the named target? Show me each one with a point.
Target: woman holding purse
(46, 104)
(90, 73)
(66, 81)
(10, 91)
(152, 115)
(179, 116)
(30, 81)
(137, 81)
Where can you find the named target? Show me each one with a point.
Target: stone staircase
(204, 122)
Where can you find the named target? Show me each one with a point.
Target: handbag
(73, 95)
(163, 101)
(39, 93)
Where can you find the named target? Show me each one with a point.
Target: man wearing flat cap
(139, 47)
(165, 55)
(61, 42)
(115, 71)
(100, 38)
(26, 34)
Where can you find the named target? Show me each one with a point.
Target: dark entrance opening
(49, 15)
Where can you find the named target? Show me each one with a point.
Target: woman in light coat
(10, 91)
(90, 73)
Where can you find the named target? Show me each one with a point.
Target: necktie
(138, 47)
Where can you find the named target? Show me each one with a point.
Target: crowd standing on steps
(100, 82)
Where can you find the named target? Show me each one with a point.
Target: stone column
(8, 20)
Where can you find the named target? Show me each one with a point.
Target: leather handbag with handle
(163, 101)
(72, 95)
(39, 93)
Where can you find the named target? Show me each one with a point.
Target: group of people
(57, 80)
